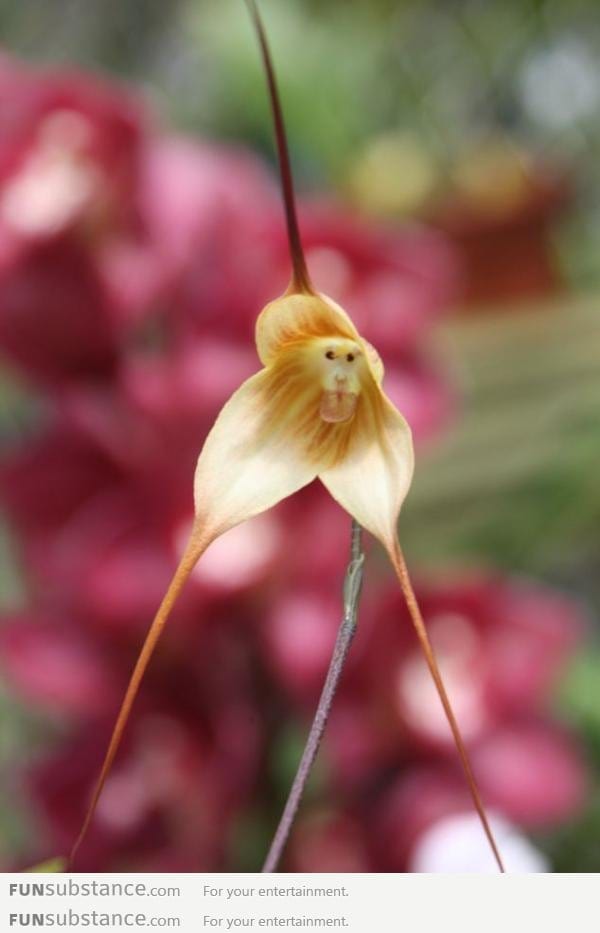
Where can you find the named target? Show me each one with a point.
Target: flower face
(340, 378)
(316, 409)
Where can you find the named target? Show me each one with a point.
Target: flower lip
(341, 369)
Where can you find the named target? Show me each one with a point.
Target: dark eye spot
(350, 357)
(330, 355)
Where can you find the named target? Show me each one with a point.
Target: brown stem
(352, 588)
(300, 277)
(401, 569)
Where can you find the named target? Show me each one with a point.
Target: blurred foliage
(578, 844)
(515, 481)
(51, 866)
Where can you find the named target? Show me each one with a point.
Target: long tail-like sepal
(300, 278)
(194, 549)
(401, 569)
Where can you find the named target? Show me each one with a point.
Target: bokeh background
(447, 159)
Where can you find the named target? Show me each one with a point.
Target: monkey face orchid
(315, 409)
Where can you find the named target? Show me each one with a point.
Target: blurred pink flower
(172, 797)
(530, 772)
(50, 664)
(55, 325)
(210, 234)
(69, 157)
(533, 772)
(501, 645)
(69, 146)
(190, 762)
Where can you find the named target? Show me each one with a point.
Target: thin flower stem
(347, 629)
(417, 619)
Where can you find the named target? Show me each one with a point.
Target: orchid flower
(316, 409)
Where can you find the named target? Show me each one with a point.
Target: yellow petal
(255, 455)
(294, 318)
(374, 361)
(373, 478)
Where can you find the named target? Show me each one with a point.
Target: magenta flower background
(133, 264)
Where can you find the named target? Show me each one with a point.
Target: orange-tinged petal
(373, 478)
(294, 318)
(256, 453)
(374, 361)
